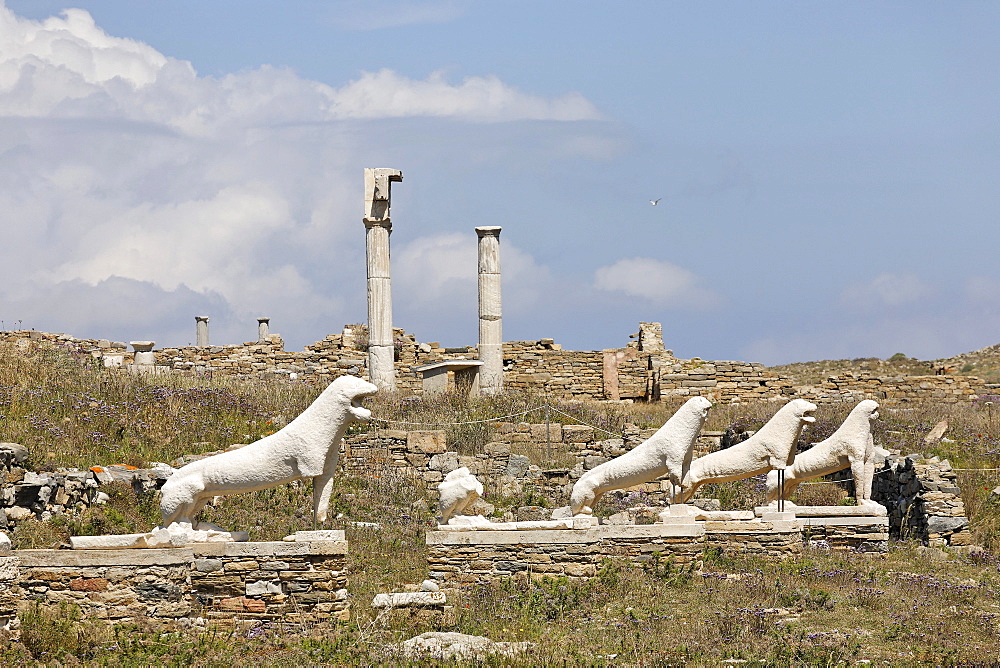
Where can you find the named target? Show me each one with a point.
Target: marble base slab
(159, 538)
(415, 599)
(480, 523)
(867, 510)
(566, 536)
(315, 536)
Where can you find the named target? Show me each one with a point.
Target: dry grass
(820, 608)
(897, 609)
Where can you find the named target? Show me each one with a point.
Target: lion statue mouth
(360, 412)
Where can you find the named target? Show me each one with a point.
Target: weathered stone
(517, 466)
(446, 462)
(940, 525)
(88, 584)
(242, 603)
(208, 565)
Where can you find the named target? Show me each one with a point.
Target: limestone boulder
(12, 454)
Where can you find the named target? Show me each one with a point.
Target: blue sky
(827, 171)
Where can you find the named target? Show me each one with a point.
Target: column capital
(384, 223)
(378, 183)
(263, 320)
(488, 231)
(201, 318)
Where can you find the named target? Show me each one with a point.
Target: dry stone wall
(923, 500)
(641, 370)
(28, 494)
(294, 582)
(457, 558)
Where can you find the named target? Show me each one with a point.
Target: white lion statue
(851, 445)
(308, 447)
(772, 447)
(667, 452)
(458, 491)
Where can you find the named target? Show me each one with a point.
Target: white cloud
(431, 269)
(69, 67)
(127, 178)
(443, 270)
(886, 290)
(385, 94)
(658, 281)
(435, 280)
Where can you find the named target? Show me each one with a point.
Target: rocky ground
(983, 363)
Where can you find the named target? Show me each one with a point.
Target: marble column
(201, 330)
(378, 226)
(262, 329)
(490, 334)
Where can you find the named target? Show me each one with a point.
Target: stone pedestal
(144, 355)
(292, 582)
(490, 311)
(469, 557)
(864, 528)
(679, 514)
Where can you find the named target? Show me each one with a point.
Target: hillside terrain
(983, 363)
(911, 606)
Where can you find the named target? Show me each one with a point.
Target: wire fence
(501, 418)
(547, 407)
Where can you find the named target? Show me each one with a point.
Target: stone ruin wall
(923, 500)
(642, 370)
(242, 584)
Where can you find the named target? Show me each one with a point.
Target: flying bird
(656, 201)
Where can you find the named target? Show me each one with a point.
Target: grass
(821, 608)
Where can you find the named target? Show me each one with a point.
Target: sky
(827, 171)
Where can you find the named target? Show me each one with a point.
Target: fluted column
(490, 312)
(263, 329)
(378, 226)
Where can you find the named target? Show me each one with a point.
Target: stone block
(551, 433)
(426, 442)
(88, 584)
(943, 525)
(517, 466)
(580, 570)
(262, 587)
(409, 599)
(85, 558)
(262, 549)
(242, 604)
(445, 462)
(9, 568)
(577, 434)
(241, 566)
(208, 565)
(496, 449)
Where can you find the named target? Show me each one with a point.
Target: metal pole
(781, 490)
(548, 438)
